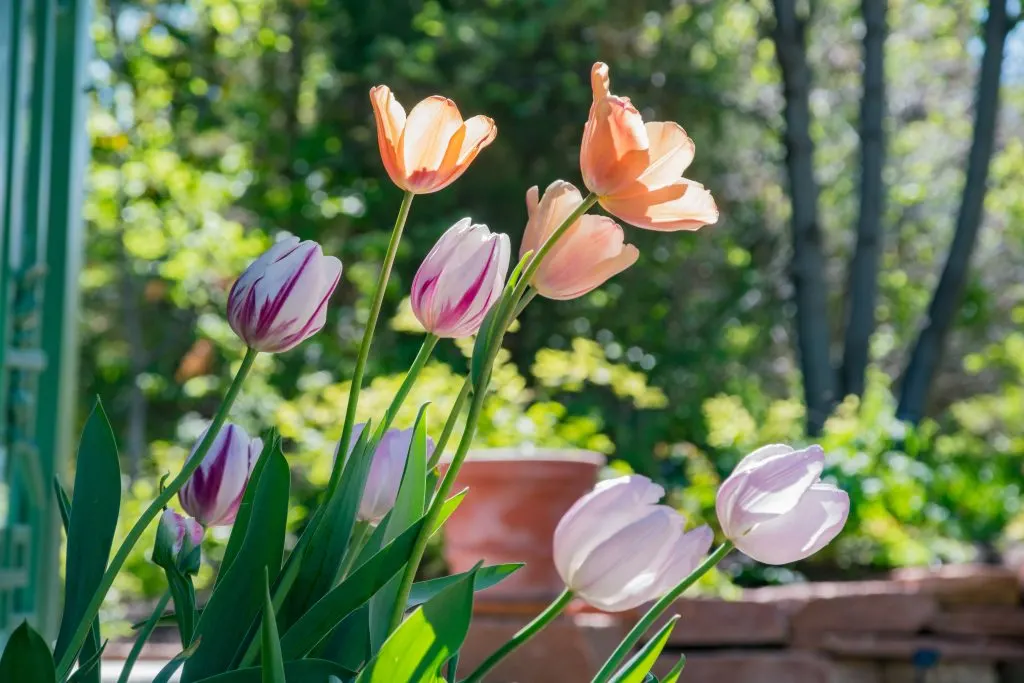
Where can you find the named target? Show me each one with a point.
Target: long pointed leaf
(27, 658)
(271, 442)
(637, 668)
(299, 671)
(273, 662)
(93, 520)
(423, 591)
(677, 670)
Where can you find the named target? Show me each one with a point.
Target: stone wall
(955, 625)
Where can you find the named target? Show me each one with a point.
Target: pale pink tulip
(636, 169)
(616, 548)
(586, 255)
(386, 470)
(214, 491)
(281, 299)
(460, 279)
(775, 507)
(431, 147)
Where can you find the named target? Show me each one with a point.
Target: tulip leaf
(271, 442)
(409, 507)
(349, 643)
(272, 661)
(447, 508)
(238, 598)
(92, 522)
(357, 588)
(329, 539)
(639, 667)
(426, 639)
(677, 670)
(88, 668)
(27, 658)
(423, 591)
(299, 671)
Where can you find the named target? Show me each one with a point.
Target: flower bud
(386, 470)
(775, 508)
(460, 279)
(214, 491)
(178, 540)
(616, 548)
(281, 299)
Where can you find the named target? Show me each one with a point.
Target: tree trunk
(808, 265)
(924, 360)
(863, 288)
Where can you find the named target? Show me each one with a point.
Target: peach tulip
(636, 169)
(587, 254)
(431, 147)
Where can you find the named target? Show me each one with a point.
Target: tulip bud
(460, 279)
(386, 470)
(617, 548)
(775, 508)
(281, 299)
(214, 491)
(178, 540)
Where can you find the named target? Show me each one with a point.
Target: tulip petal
(817, 518)
(683, 205)
(591, 252)
(613, 153)
(390, 118)
(424, 143)
(670, 153)
(688, 552)
(480, 132)
(546, 214)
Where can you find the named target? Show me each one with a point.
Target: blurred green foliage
(218, 123)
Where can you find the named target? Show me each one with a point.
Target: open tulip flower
(431, 147)
(636, 169)
(592, 250)
(775, 508)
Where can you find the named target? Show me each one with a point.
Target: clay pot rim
(514, 454)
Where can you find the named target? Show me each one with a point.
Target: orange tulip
(432, 146)
(636, 169)
(587, 254)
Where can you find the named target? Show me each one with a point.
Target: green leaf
(422, 591)
(409, 507)
(447, 508)
(639, 667)
(93, 519)
(271, 442)
(88, 668)
(27, 658)
(299, 671)
(316, 624)
(426, 639)
(238, 597)
(488, 326)
(184, 595)
(330, 538)
(273, 662)
(677, 670)
(349, 642)
(167, 673)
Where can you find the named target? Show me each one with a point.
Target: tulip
(616, 548)
(636, 169)
(584, 257)
(386, 470)
(433, 146)
(214, 491)
(460, 279)
(775, 508)
(281, 299)
(171, 535)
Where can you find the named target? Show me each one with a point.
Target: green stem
(371, 324)
(637, 632)
(475, 409)
(360, 535)
(143, 636)
(158, 504)
(524, 634)
(449, 426)
(427, 348)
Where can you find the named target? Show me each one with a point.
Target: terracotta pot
(516, 498)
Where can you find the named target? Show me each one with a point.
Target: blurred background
(850, 145)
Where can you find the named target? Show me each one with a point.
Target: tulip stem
(371, 324)
(656, 610)
(140, 640)
(449, 425)
(523, 635)
(191, 465)
(422, 356)
(475, 408)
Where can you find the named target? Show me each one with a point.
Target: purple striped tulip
(386, 469)
(281, 299)
(775, 507)
(460, 279)
(214, 491)
(171, 536)
(616, 548)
